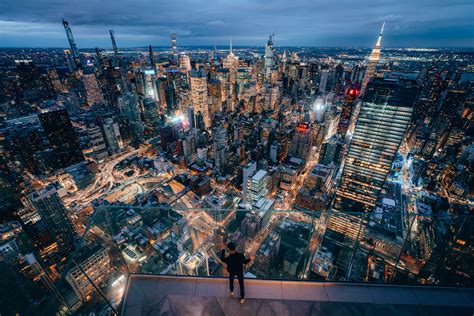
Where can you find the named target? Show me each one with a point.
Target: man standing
(235, 262)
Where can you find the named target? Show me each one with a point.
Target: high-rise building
(348, 106)
(331, 150)
(247, 171)
(72, 43)
(62, 138)
(300, 145)
(92, 89)
(146, 83)
(199, 95)
(220, 148)
(215, 98)
(384, 116)
(54, 216)
(174, 46)
(91, 265)
(269, 57)
(114, 44)
(257, 186)
(112, 135)
(97, 146)
(373, 60)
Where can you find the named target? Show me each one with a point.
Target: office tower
(54, 217)
(92, 264)
(269, 57)
(150, 113)
(114, 44)
(112, 84)
(267, 254)
(92, 89)
(373, 60)
(331, 150)
(257, 186)
(348, 106)
(215, 97)
(300, 145)
(323, 81)
(33, 87)
(112, 135)
(384, 116)
(247, 171)
(62, 137)
(174, 46)
(146, 83)
(199, 95)
(72, 43)
(220, 148)
(97, 146)
(152, 58)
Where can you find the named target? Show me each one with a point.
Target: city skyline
(300, 23)
(317, 165)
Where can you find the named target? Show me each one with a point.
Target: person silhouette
(235, 262)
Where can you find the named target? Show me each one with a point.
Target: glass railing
(381, 247)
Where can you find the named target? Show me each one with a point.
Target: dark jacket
(235, 262)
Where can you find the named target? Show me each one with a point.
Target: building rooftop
(175, 295)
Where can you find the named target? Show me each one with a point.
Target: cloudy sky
(410, 23)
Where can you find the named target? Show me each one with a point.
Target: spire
(379, 40)
(230, 50)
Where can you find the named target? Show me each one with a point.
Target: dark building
(53, 215)
(62, 138)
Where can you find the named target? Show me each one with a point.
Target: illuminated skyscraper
(269, 57)
(92, 89)
(373, 60)
(72, 43)
(199, 95)
(384, 116)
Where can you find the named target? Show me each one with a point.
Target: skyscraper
(72, 42)
(247, 171)
(384, 116)
(54, 216)
(93, 92)
(269, 57)
(62, 137)
(373, 60)
(301, 143)
(199, 95)
(174, 46)
(114, 44)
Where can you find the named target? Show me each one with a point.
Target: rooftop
(177, 295)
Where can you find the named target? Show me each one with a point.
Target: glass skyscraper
(383, 118)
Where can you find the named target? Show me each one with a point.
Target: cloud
(214, 23)
(200, 22)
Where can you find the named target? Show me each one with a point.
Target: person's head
(231, 247)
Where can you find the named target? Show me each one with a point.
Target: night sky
(342, 23)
